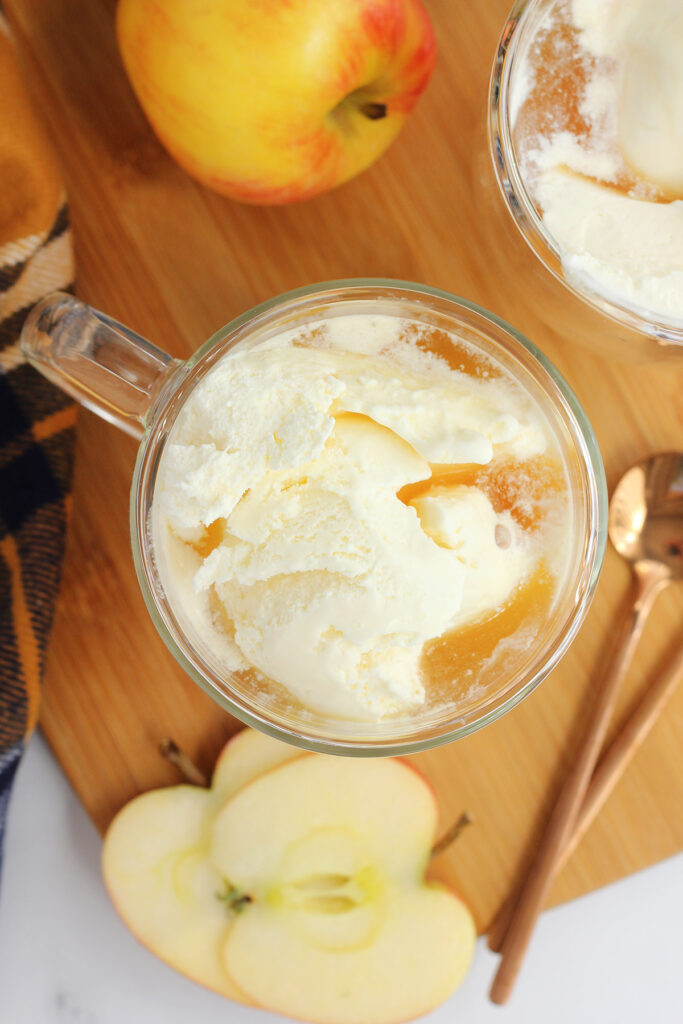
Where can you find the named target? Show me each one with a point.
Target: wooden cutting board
(175, 261)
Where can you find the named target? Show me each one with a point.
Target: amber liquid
(459, 665)
(472, 658)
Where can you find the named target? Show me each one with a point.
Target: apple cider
(560, 97)
(474, 550)
(595, 104)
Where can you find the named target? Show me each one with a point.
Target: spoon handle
(649, 581)
(620, 754)
(605, 777)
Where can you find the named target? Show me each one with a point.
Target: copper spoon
(646, 528)
(611, 766)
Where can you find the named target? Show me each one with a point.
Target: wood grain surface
(175, 262)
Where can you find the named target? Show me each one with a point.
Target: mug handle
(104, 365)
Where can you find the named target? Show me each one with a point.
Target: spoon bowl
(646, 513)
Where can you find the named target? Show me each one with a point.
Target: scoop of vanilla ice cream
(627, 248)
(331, 583)
(490, 545)
(646, 40)
(263, 410)
(650, 112)
(602, 23)
(253, 414)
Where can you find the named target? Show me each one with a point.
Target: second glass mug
(141, 389)
(606, 325)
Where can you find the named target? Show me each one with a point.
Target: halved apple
(340, 926)
(156, 863)
(295, 883)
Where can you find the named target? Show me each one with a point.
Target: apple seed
(234, 900)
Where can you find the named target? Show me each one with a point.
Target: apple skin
(275, 102)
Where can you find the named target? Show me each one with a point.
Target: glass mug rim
(144, 478)
(517, 199)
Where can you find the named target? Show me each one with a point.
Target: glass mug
(601, 322)
(141, 389)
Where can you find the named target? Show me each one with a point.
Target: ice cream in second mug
(586, 104)
(367, 517)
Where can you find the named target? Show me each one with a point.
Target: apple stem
(374, 111)
(452, 834)
(169, 749)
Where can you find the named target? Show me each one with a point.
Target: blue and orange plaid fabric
(36, 419)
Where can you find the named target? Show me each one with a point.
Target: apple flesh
(244, 757)
(341, 927)
(295, 883)
(164, 886)
(156, 866)
(274, 103)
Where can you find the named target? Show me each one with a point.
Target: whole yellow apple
(270, 101)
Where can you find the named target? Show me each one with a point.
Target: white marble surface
(613, 957)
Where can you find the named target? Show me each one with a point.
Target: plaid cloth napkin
(36, 419)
